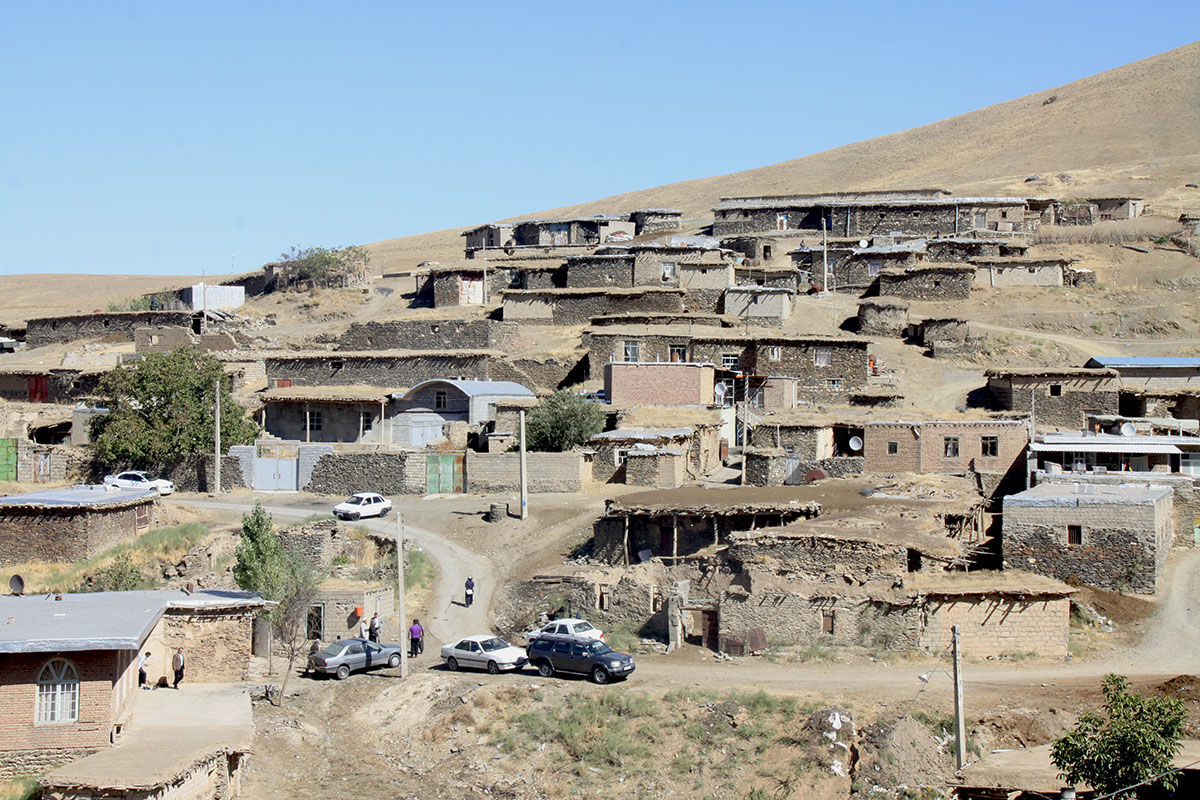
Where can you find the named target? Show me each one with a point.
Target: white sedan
(363, 504)
(560, 629)
(483, 652)
(137, 479)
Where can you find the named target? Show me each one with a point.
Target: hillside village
(879, 420)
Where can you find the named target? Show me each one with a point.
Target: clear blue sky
(166, 137)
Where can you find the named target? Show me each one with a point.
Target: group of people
(370, 630)
(177, 663)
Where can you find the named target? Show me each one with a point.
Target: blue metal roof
(474, 388)
(1117, 362)
(78, 497)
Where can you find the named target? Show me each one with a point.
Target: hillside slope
(1134, 129)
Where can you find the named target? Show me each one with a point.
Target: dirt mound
(1120, 608)
(904, 753)
(1015, 728)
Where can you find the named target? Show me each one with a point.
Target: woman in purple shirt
(416, 639)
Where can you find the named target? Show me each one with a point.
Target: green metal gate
(8, 460)
(445, 472)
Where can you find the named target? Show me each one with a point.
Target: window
(756, 398)
(893, 448)
(981, 220)
(677, 352)
(766, 252)
(619, 457)
(668, 270)
(1003, 215)
(950, 446)
(562, 647)
(874, 267)
(834, 383)
(632, 350)
(1074, 534)
(781, 222)
(827, 621)
(729, 361)
(57, 692)
(314, 421)
(440, 398)
(367, 420)
(1056, 390)
(773, 353)
(822, 356)
(336, 364)
(989, 445)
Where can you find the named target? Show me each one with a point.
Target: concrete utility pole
(217, 439)
(524, 482)
(400, 592)
(960, 733)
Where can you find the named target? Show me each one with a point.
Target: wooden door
(709, 629)
(39, 389)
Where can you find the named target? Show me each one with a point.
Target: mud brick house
(656, 220)
(1056, 396)
(493, 236)
(883, 316)
(856, 268)
(420, 415)
(69, 663)
(68, 328)
(608, 267)
(455, 286)
(506, 424)
(928, 282)
(577, 306)
(1021, 271)
(383, 368)
(945, 336)
(867, 214)
(676, 383)
(780, 276)
(341, 603)
(428, 334)
(1181, 404)
(327, 413)
(164, 339)
(64, 525)
(658, 467)
(759, 305)
(37, 384)
(1151, 372)
(1111, 537)
(766, 248)
(793, 443)
(698, 443)
(945, 249)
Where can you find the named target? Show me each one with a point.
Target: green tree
(563, 421)
(161, 410)
(1134, 739)
(323, 265)
(121, 575)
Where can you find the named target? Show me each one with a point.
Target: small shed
(928, 282)
(883, 316)
(656, 467)
(64, 525)
(760, 304)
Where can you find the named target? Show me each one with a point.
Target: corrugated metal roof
(78, 497)
(99, 620)
(474, 388)
(1119, 362)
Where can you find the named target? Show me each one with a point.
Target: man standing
(142, 659)
(416, 635)
(373, 630)
(470, 594)
(364, 629)
(177, 665)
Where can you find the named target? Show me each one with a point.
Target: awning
(1134, 448)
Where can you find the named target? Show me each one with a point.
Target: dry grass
(1141, 229)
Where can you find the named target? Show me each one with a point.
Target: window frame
(366, 420)
(989, 446)
(441, 399)
(893, 448)
(950, 447)
(731, 362)
(1074, 536)
(677, 349)
(314, 422)
(823, 356)
(57, 694)
(670, 269)
(632, 346)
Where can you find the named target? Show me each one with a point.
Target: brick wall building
(64, 525)
(949, 446)
(658, 383)
(1056, 396)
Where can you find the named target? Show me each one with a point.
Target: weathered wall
(53, 330)
(883, 319)
(389, 371)
(546, 472)
(1080, 396)
(64, 535)
(428, 334)
(216, 646)
(1185, 504)
(797, 618)
(996, 625)
(578, 307)
(340, 598)
(927, 284)
(386, 473)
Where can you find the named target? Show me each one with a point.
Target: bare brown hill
(1134, 129)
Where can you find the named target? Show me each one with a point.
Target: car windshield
(598, 648)
(333, 650)
(583, 627)
(492, 644)
(353, 501)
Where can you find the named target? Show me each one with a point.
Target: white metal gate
(276, 467)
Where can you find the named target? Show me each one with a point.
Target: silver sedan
(483, 652)
(351, 655)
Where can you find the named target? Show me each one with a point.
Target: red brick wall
(926, 453)
(658, 384)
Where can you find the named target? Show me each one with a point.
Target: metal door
(710, 629)
(8, 459)
(39, 389)
(276, 467)
(444, 472)
(794, 472)
(41, 467)
(470, 292)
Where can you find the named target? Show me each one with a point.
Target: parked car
(483, 652)
(592, 658)
(137, 479)
(352, 655)
(363, 504)
(565, 629)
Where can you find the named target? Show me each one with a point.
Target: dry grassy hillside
(29, 296)
(1133, 129)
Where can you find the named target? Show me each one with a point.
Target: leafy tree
(161, 410)
(563, 421)
(1134, 739)
(323, 265)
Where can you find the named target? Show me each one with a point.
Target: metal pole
(400, 591)
(960, 734)
(524, 484)
(825, 251)
(217, 439)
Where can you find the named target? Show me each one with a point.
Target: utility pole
(825, 256)
(960, 734)
(217, 438)
(400, 591)
(524, 481)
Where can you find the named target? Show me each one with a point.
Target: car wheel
(343, 672)
(545, 669)
(383, 512)
(493, 668)
(452, 664)
(394, 661)
(599, 675)
(353, 517)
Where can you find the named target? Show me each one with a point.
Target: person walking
(374, 628)
(470, 593)
(416, 639)
(177, 665)
(143, 659)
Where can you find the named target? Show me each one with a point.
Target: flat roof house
(327, 413)
(420, 415)
(1152, 372)
(63, 525)
(1055, 396)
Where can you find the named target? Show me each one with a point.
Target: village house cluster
(856, 518)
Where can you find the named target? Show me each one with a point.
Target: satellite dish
(855, 443)
(863, 243)
(16, 584)
(1127, 429)
(815, 475)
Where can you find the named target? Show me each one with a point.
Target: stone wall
(1079, 397)
(197, 474)
(386, 473)
(319, 544)
(765, 466)
(817, 558)
(216, 645)
(789, 618)
(1185, 504)
(883, 317)
(389, 371)
(165, 339)
(50, 463)
(927, 284)
(429, 334)
(578, 307)
(546, 472)
(994, 625)
(216, 775)
(63, 535)
(56, 330)
(614, 271)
